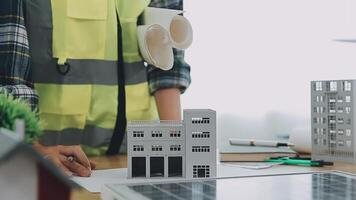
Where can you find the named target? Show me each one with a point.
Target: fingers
(78, 153)
(92, 164)
(80, 166)
(75, 166)
(59, 164)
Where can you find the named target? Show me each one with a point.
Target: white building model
(173, 148)
(332, 120)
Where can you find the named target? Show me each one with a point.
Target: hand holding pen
(70, 159)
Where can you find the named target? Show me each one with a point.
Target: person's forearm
(168, 104)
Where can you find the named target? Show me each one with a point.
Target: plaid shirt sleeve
(22, 92)
(15, 71)
(179, 75)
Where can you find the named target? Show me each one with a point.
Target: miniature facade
(25, 174)
(332, 120)
(173, 148)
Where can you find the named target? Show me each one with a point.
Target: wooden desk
(121, 162)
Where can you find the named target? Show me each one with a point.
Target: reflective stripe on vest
(92, 135)
(83, 34)
(88, 72)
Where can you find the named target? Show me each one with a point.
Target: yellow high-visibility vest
(74, 56)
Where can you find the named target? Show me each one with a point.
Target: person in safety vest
(91, 79)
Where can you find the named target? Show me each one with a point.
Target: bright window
(253, 60)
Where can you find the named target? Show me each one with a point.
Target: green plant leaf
(12, 109)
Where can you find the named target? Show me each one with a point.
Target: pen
(263, 143)
(71, 158)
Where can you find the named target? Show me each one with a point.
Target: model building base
(173, 148)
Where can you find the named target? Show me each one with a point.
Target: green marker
(298, 161)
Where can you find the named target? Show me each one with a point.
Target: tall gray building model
(332, 120)
(173, 148)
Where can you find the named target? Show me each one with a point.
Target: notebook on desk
(230, 153)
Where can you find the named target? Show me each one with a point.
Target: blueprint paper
(179, 28)
(155, 46)
(119, 176)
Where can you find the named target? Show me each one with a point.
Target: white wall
(252, 60)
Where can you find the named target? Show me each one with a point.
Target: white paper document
(101, 177)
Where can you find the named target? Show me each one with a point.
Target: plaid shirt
(179, 75)
(15, 73)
